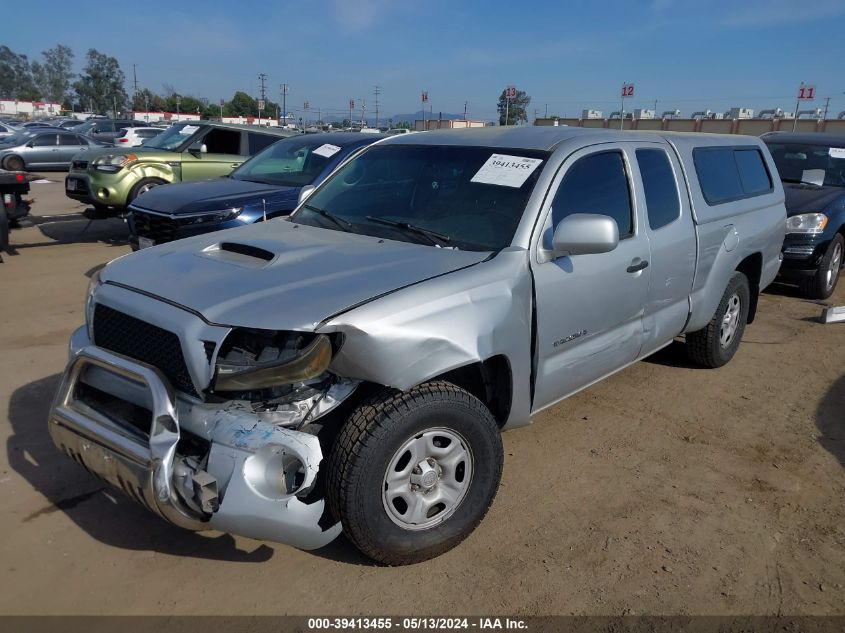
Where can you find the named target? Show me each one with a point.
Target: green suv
(199, 150)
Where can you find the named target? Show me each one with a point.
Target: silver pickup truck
(351, 367)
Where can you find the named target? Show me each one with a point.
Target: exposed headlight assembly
(93, 284)
(111, 163)
(303, 364)
(806, 223)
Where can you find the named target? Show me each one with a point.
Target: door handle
(235, 165)
(637, 265)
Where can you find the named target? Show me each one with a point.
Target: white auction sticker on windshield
(189, 129)
(507, 171)
(837, 152)
(328, 150)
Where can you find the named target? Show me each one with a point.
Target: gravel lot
(665, 489)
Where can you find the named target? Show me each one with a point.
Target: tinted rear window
(731, 173)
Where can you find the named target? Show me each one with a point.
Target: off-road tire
(818, 286)
(141, 185)
(14, 163)
(367, 442)
(704, 347)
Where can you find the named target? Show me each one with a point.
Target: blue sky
(689, 55)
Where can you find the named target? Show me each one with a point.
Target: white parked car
(134, 136)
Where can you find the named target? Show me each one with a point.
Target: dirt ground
(666, 489)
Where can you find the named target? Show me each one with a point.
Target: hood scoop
(239, 254)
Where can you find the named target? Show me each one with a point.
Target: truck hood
(213, 195)
(803, 198)
(279, 275)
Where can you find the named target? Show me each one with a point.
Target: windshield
(172, 137)
(293, 162)
(812, 164)
(473, 197)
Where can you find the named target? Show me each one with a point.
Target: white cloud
(358, 15)
(781, 12)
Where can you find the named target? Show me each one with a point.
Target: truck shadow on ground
(104, 514)
(673, 355)
(75, 228)
(830, 420)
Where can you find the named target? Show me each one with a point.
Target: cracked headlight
(261, 364)
(93, 284)
(806, 223)
(111, 163)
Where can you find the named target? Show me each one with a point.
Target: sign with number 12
(627, 90)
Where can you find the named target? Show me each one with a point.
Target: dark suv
(812, 168)
(107, 130)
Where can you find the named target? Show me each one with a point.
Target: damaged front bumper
(248, 476)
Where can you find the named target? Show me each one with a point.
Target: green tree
(101, 84)
(516, 110)
(241, 105)
(16, 76)
(53, 77)
(146, 99)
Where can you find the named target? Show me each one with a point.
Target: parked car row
(351, 366)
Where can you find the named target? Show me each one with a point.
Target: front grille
(159, 228)
(81, 165)
(124, 334)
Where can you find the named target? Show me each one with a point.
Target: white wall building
(167, 117)
(29, 109)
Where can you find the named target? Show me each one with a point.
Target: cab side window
(661, 189)
(597, 184)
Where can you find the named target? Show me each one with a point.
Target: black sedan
(266, 186)
(812, 169)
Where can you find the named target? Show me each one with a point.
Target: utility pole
(363, 111)
(547, 111)
(135, 84)
(377, 92)
(826, 105)
(178, 103)
(284, 88)
(465, 109)
(262, 77)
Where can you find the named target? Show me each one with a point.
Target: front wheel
(716, 344)
(142, 186)
(413, 473)
(822, 284)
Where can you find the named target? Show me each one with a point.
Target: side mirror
(198, 146)
(306, 191)
(585, 234)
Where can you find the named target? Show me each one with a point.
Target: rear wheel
(716, 344)
(413, 473)
(13, 163)
(142, 186)
(822, 284)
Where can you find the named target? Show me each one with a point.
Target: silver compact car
(352, 367)
(44, 148)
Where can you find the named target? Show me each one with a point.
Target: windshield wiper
(346, 225)
(411, 228)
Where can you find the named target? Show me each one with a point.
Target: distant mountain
(397, 118)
